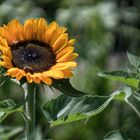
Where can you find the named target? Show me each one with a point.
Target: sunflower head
(36, 51)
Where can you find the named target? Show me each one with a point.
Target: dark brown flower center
(32, 56)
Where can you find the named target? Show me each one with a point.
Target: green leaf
(130, 79)
(65, 87)
(9, 132)
(116, 135)
(8, 107)
(66, 109)
(134, 60)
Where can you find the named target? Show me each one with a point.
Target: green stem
(30, 108)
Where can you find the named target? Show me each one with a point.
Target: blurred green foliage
(104, 30)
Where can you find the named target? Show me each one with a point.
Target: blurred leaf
(66, 109)
(36, 135)
(8, 107)
(137, 96)
(65, 87)
(7, 133)
(2, 80)
(2, 71)
(2, 76)
(116, 135)
(122, 76)
(134, 60)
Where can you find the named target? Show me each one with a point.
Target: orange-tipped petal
(4, 33)
(13, 31)
(40, 28)
(60, 43)
(52, 28)
(57, 34)
(16, 30)
(28, 29)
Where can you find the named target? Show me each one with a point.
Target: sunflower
(37, 51)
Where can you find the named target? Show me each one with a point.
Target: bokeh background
(105, 30)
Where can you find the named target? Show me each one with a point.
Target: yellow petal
(5, 64)
(29, 77)
(12, 72)
(71, 42)
(36, 78)
(4, 33)
(56, 34)
(19, 76)
(3, 42)
(46, 79)
(29, 33)
(52, 28)
(65, 65)
(6, 59)
(7, 52)
(40, 28)
(15, 29)
(64, 51)
(60, 43)
(56, 74)
(67, 73)
(67, 57)
(16, 72)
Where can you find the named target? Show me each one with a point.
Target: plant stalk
(30, 109)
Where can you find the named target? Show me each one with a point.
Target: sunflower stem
(30, 109)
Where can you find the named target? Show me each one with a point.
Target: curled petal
(29, 77)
